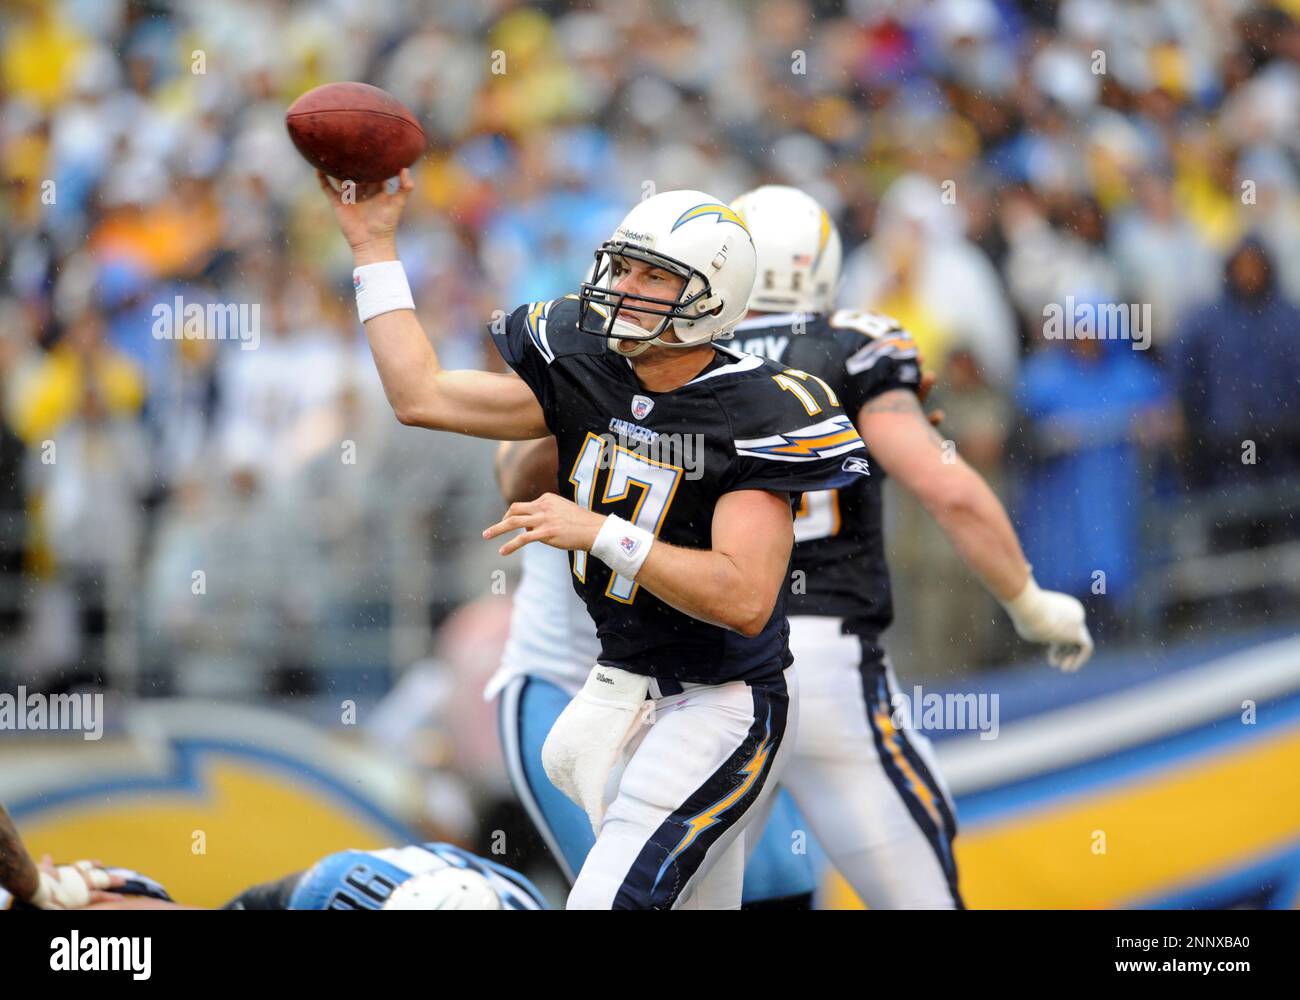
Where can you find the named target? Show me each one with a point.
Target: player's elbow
(749, 617)
(406, 416)
(413, 415)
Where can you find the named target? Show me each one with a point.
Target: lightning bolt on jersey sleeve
(791, 434)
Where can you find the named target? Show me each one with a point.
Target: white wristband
(622, 546)
(381, 288)
(1023, 603)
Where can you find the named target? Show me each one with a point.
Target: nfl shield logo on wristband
(628, 544)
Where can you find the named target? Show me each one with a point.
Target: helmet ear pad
(711, 305)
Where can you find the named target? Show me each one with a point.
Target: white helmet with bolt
(687, 233)
(798, 250)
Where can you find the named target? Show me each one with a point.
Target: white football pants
(869, 789)
(672, 836)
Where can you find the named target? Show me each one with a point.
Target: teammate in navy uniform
(868, 786)
(682, 460)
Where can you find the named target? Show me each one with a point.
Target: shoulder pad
(552, 326)
(886, 338)
(869, 324)
(770, 398)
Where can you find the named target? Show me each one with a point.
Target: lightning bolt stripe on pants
(675, 851)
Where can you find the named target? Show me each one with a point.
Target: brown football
(354, 131)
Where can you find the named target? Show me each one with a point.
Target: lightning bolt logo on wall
(177, 768)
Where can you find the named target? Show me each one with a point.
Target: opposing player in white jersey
(869, 788)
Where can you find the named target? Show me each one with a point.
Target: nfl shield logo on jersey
(641, 405)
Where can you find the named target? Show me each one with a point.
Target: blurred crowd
(188, 497)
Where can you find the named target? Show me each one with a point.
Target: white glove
(1053, 618)
(584, 745)
(71, 889)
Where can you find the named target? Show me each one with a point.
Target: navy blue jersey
(839, 559)
(662, 460)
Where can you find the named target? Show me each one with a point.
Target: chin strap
(632, 345)
(629, 348)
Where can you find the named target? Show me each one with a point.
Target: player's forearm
(407, 363)
(899, 436)
(423, 394)
(408, 367)
(977, 524)
(420, 391)
(709, 586)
